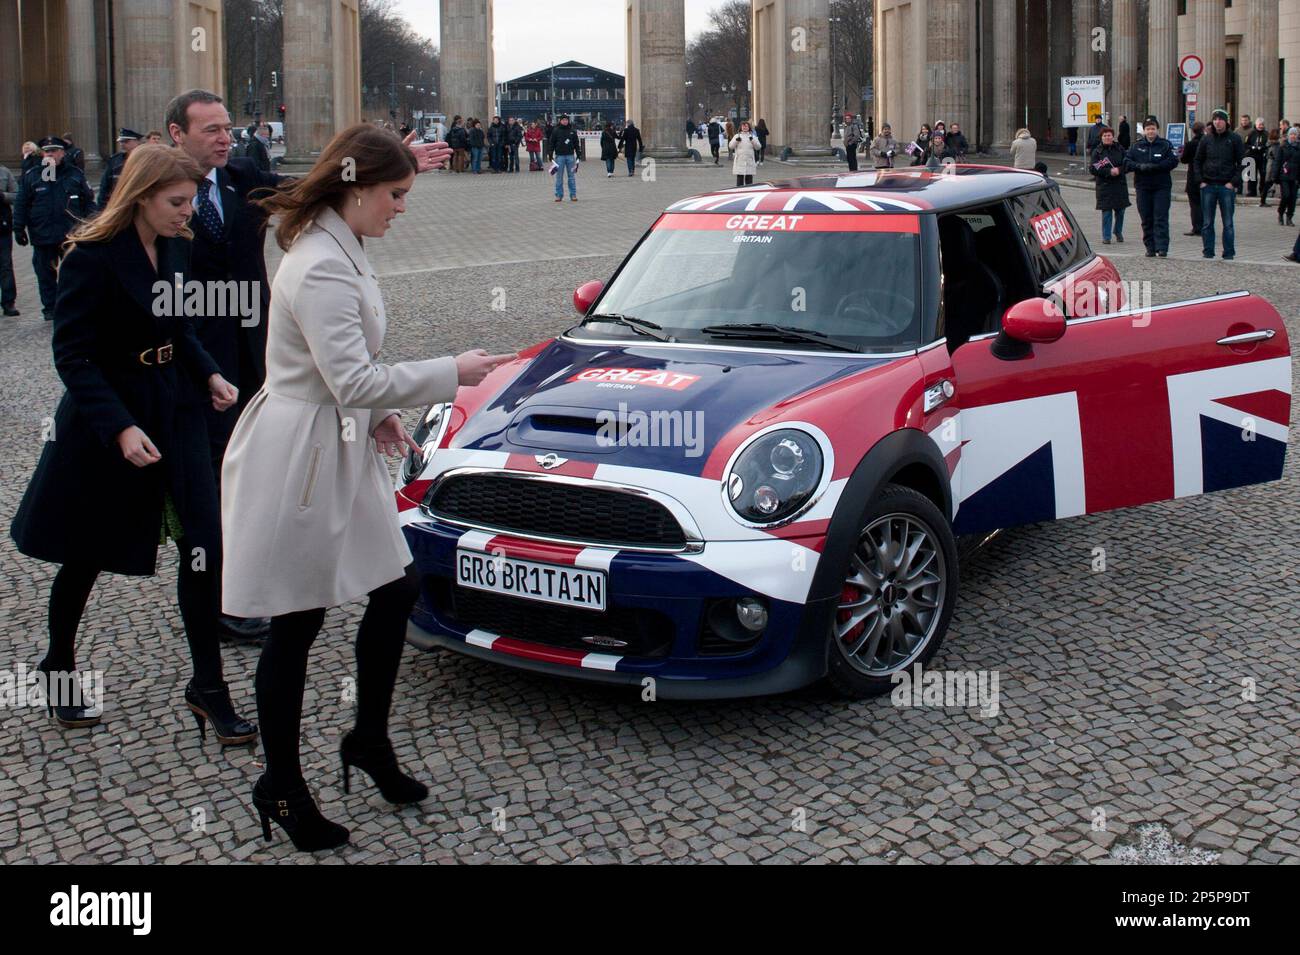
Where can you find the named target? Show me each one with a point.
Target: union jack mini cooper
(746, 468)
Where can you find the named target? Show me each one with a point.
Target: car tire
(908, 613)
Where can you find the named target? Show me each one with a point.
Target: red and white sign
(656, 377)
(1052, 228)
(1191, 100)
(1191, 66)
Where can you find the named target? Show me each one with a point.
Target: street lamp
(832, 21)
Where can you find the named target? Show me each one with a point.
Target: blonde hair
(150, 167)
(34, 149)
(1021, 132)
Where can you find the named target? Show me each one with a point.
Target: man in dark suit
(229, 234)
(128, 139)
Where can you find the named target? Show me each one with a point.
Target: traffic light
(282, 111)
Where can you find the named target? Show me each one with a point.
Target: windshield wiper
(642, 325)
(781, 333)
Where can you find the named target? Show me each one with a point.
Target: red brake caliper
(847, 594)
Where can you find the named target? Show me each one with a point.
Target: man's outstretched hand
(430, 156)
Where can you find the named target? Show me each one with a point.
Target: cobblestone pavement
(1121, 713)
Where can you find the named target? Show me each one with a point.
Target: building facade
(589, 95)
(996, 65)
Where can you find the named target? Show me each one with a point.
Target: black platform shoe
(297, 814)
(69, 714)
(214, 705)
(380, 762)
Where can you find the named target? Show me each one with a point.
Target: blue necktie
(208, 214)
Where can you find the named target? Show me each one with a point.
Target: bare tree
(718, 60)
(399, 68)
(852, 23)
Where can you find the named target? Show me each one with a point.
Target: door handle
(1263, 335)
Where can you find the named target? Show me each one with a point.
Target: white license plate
(549, 583)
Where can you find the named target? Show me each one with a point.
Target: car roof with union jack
(914, 189)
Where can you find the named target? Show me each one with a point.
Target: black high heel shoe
(380, 762)
(214, 705)
(87, 713)
(298, 815)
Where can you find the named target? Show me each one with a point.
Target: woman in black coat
(1107, 166)
(631, 144)
(127, 463)
(608, 149)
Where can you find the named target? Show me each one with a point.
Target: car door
(1124, 409)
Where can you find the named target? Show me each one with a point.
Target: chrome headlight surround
(792, 460)
(428, 435)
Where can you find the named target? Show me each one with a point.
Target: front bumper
(665, 598)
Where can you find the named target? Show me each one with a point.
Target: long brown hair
(150, 167)
(361, 155)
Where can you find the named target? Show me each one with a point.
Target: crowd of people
(1223, 165)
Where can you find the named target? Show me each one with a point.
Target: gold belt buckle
(144, 357)
(164, 353)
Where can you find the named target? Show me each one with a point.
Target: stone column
(808, 77)
(1087, 17)
(13, 131)
(308, 78)
(948, 66)
(83, 80)
(1006, 69)
(1124, 62)
(35, 85)
(144, 61)
(1042, 71)
(56, 64)
(661, 87)
(1208, 42)
(1060, 62)
(1164, 86)
(1258, 69)
(465, 30)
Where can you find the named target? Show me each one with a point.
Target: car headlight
(774, 477)
(428, 435)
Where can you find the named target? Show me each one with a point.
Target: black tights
(198, 592)
(282, 674)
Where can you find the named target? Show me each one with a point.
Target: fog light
(751, 613)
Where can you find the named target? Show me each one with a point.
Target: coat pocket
(309, 483)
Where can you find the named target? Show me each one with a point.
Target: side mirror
(585, 294)
(1035, 320)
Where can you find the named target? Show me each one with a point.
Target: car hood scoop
(650, 405)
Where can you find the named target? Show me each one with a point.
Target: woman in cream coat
(744, 146)
(308, 514)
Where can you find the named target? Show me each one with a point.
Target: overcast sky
(529, 34)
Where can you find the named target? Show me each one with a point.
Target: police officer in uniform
(52, 198)
(128, 139)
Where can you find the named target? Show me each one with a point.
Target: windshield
(852, 279)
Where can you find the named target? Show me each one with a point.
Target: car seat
(974, 296)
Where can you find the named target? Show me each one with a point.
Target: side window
(1051, 235)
